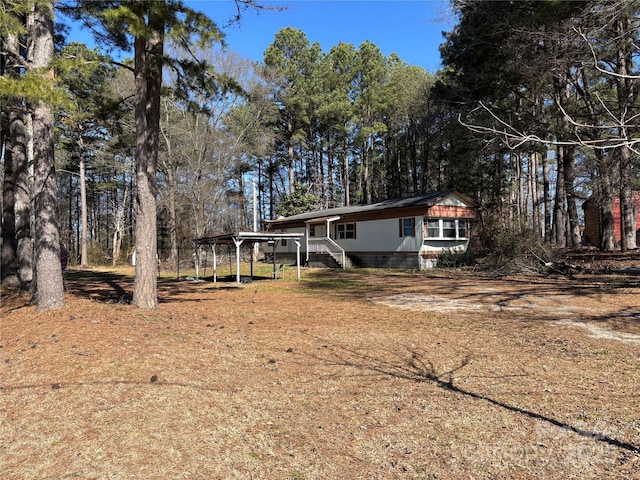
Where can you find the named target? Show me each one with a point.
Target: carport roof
(253, 237)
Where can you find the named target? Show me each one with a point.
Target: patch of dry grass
(343, 375)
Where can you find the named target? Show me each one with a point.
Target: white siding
(290, 247)
(383, 236)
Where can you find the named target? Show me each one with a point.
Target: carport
(238, 239)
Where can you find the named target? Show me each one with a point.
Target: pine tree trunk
(347, 180)
(559, 237)
(9, 266)
(173, 218)
(628, 212)
(119, 227)
(49, 285)
(84, 258)
(607, 223)
(11, 138)
(535, 195)
(22, 141)
(546, 198)
(148, 80)
(291, 166)
(573, 236)
(626, 100)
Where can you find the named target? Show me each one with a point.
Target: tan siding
(447, 211)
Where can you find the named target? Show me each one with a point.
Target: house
(592, 220)
(401, 233)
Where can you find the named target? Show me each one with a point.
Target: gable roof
(427, 200)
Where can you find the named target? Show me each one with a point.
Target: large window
(447, 228)
(407, 227)
(345, 230)
(433, 228)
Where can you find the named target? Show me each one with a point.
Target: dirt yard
(343, 375)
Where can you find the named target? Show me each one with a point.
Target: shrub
(452, 259)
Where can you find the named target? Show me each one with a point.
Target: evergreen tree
(144, 25)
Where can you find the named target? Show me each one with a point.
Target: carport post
(237, 242)
(197, 261)
(275, 242)
(253, 255)
(307, 230)
(298, 256)
(215, 263)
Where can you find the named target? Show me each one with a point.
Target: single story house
(593, 222)
(400, 233)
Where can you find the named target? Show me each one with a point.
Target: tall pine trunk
(9, 266)
(559, 236)
(118, 231)
(346, 177)
(12, 139)
(84, 234)
(148, 80)
(546, 200)
(22, 144)
(573, 235)
(605, 189)
(48, 270)
(626, 99)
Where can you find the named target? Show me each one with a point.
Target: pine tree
(145, 25)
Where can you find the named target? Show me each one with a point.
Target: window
(449, 228)
(407, 227)
(441, 228)
(345, 230)
(312, 230)
(433, 228)
(462, 229)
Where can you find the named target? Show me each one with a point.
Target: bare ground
(344, 375)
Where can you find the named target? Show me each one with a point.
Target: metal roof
(427, 200)
(253, 237)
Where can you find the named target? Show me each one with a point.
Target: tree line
(533, 111)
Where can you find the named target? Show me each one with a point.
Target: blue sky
(410, 28)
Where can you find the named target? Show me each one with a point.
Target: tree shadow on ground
(113, 287)
(418, 368)
(473, 293)
(97, 285)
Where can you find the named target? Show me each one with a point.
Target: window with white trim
(433, 228)
(462, 228)
(447, 228)
(345, 230)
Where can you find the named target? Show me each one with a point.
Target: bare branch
(596, 61)
(514, 138)
(9, 51)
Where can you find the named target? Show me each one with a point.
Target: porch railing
(327, 245)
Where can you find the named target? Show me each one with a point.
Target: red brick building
(592, 220)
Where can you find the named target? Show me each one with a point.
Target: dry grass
(344, 375)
